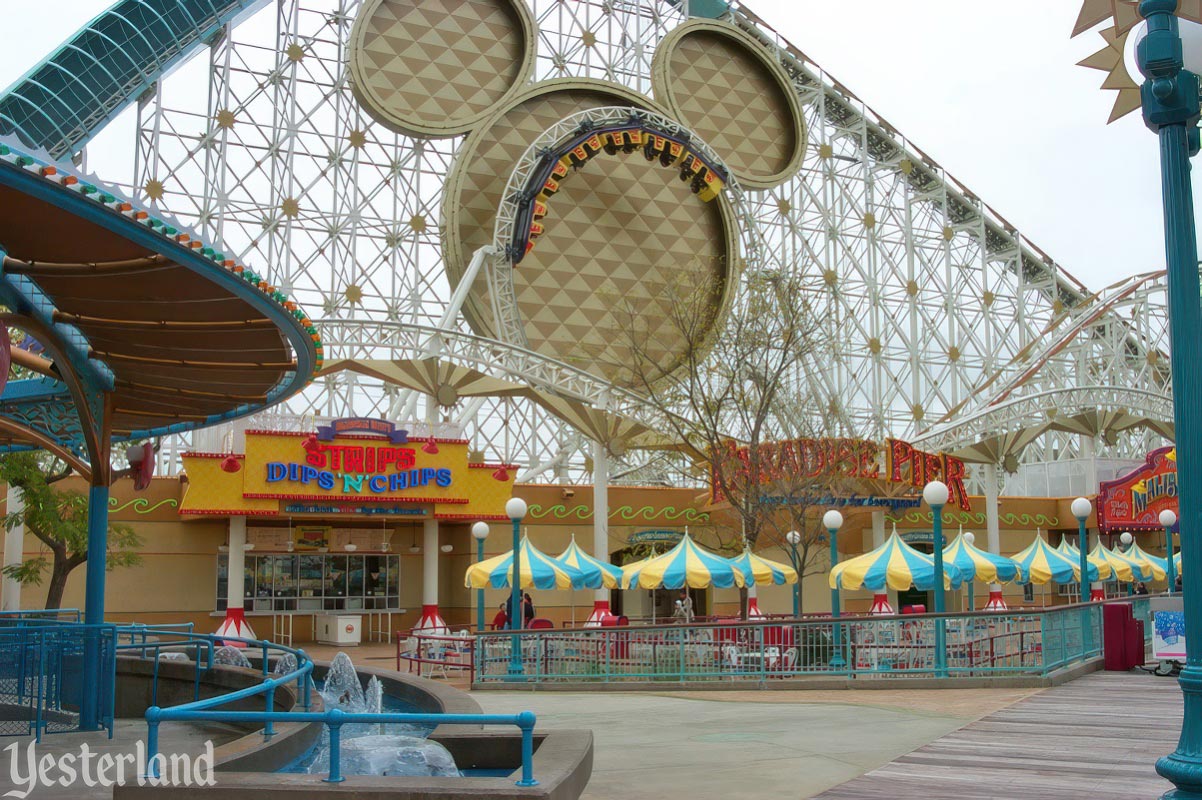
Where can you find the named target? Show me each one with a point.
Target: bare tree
(734, 391)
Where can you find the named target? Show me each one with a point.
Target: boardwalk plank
(1097, 737)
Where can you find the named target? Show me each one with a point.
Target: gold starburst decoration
(353, 293)
(154, 189)
(1123, 16)
(225, 118)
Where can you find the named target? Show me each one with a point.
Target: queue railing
(1026, 642)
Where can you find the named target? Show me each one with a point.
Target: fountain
(230, 657)
(380, 749)
(283, 665)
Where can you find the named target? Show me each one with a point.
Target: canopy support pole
(993, 536)
(600, 529)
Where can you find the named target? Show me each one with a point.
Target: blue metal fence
(1032, 643)
(56, 677)
(155, 640)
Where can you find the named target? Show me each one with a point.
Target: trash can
(1116, 633)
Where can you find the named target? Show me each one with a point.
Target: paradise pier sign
(778, 463)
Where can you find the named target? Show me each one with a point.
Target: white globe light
(515, 508)
(935, 493)
(793, 538)
(1126, 539)
(832, 520)
(970, 537)
(1191, 48)
(480, 531)
(1081, 508)
(1167, 518)
(446, 548)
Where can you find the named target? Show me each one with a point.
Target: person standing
(683, 611)
(527, 609)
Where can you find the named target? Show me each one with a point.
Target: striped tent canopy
(1106, 570)
(1041, 563)
(976, 564)
(594, 572)
(538, 571)
(894, 564)
(762, 572)
(1159, 566)
(686, 564)
(1125, 568)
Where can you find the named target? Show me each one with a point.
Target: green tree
(58, 518)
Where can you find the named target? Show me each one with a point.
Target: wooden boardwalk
(1095, 738)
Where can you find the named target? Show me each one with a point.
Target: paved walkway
(751, 744)
(1097, 738)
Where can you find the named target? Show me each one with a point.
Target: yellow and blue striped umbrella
(1106, 570)
(685, 564)
(595, 572)
(1126, 569)
(762, 572)
(894, 564)
(976, 564)
(1040, 563)
(538, 571)
(1159, 566)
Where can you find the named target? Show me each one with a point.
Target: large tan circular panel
(720, 82)
(435, 68)
(622, 235)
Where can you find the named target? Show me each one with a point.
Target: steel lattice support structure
(938, 310)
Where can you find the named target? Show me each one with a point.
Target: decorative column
(880, 600)
(235, 623)
(14, 547)
(431, 621)
(600, 529)
(993, 534)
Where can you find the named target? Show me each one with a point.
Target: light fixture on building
(568, 494)
(446, 548)
(413, 548)
(350, 548)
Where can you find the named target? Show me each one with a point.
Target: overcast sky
(989, 90)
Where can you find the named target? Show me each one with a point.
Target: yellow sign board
(344, 472)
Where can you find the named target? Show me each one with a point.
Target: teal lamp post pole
(1167, 520)
(1171, 109)
(515, 509)
(936, 494)
(833, 521)
(1125, 539)
(1081, 509)
(480, 533)
(794, 539)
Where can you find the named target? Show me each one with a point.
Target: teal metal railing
(157, 639)
(1032, 643)
(61, 673)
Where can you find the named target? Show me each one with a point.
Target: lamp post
(1167, 520)
(1171, 109)
(1081, 509)
(935, 494)
(480, 533)
(794, 539)
(515, 509)
(1125, 539)
(833, 521)
(970, 538)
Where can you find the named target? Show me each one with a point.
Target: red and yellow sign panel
(334, 472)
(1134, 501)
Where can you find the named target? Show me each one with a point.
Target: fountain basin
(245, 768)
